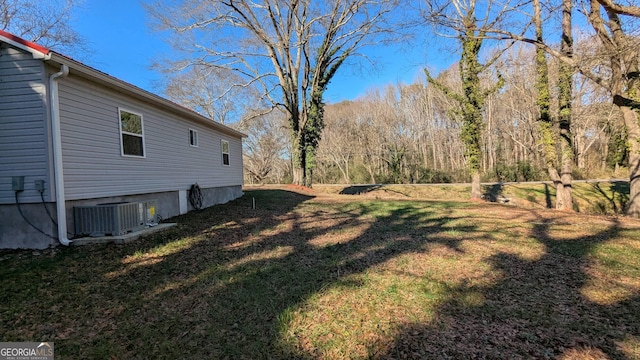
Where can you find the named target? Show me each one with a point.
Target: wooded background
(406, 133)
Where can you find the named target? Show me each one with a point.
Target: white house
(71, 136)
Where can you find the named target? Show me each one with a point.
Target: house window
(131, 134)
(193, 137)
(225, 152)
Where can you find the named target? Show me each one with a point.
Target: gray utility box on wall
(151, 217)
(109, 219)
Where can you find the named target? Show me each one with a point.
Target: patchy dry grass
(599, 198)
(317, 275)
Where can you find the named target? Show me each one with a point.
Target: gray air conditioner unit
(110, 219)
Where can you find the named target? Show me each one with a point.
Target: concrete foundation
(221, 195)
(16, 233)
(122, 239)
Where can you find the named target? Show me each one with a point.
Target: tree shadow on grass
(359, 189)
(494, 193)
(617, 197)
(537, 310)
(225, 282)
(219, 285)
(547, 197)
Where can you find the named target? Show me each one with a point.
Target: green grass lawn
(309, 275)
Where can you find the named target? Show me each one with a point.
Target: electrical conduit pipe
(61, 211)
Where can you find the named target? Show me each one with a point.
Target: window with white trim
(225, 152)
(193, 137)
(131, 133)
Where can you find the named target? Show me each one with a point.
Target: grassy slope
(601, 198)
(316, 276)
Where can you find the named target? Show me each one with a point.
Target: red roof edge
(24, 42)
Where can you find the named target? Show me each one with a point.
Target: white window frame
(222, 142)
(144, 148)
(193, 135)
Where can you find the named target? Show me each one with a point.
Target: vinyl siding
(94, 166)
(23, 128)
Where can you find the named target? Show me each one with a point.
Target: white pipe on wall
(57, 154)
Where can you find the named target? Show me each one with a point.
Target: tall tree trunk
(543, 100)
(371, 174)
(346, 165)
(631, 118)
(476, 188)
(436, 155)
(631, 113)
(581, 161)
(472, 109)
(299, 176)
(299, 159)
(564, 199)
(605, 153)
(627, 98)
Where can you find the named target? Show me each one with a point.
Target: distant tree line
(408, 133)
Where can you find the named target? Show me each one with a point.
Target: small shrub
(526, 171)
(429, 176)
(579, 174)
(519, 172)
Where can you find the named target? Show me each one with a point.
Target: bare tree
(47, 23)
(593, 113)
(337, 142)
(265, 147)
(394, 134)
(515, 125)
(290, 48)
(371, 136)
(210, 91)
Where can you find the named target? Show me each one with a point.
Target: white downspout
(61, 211)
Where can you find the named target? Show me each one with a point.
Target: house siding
(95, 168)
(24, 141)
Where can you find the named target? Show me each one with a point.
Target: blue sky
(114, 28)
